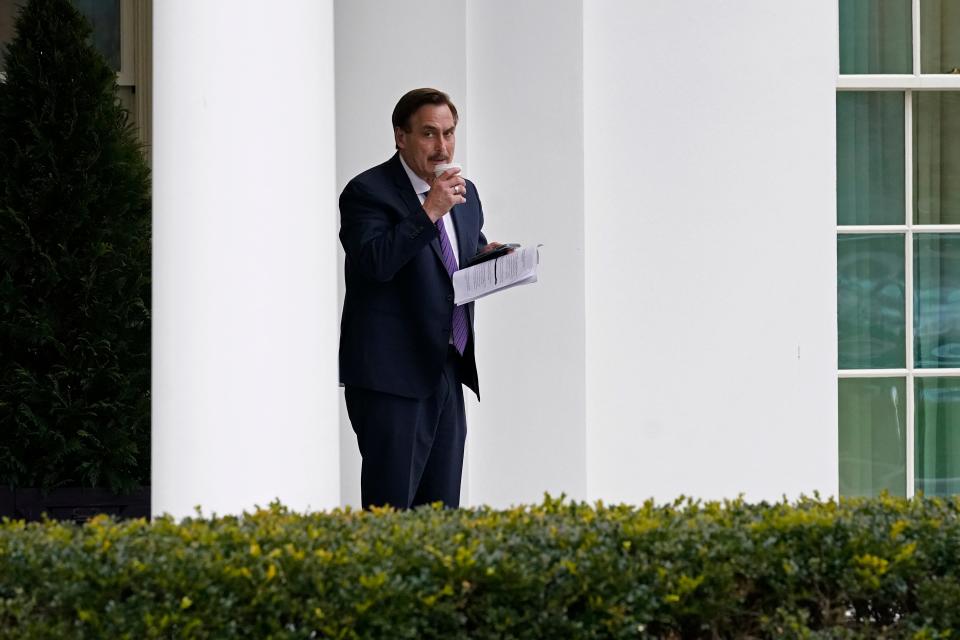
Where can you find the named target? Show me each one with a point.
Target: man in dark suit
(405, 348)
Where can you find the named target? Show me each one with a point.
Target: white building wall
(524, 87)
(710, 268)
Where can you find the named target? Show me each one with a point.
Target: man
(405, 348)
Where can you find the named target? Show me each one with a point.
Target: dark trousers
(412, 449)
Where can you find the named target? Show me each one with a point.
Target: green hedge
(866, 568)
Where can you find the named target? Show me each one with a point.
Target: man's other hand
(492, 246)
(448, 189)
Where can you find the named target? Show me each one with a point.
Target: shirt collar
(419, 184)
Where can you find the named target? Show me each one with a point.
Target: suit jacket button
(449, 297)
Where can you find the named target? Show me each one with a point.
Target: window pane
(8, 15)
(938, 436)
(876, 36)
(939, 36)
(870, 301)
(104, 17)
(872, 436)
(870, 158)
(936, 300)
(936, 152)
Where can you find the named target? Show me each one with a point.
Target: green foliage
(74, 264)
(885, 568)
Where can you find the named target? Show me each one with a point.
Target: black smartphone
(492, 254)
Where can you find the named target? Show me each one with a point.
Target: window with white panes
(121, 32)
(898, 246)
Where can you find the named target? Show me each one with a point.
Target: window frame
(908, 84)
(126, 76)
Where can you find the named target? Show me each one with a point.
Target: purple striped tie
(460, 331)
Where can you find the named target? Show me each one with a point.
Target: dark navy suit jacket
(397, 312)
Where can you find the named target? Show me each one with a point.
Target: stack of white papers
(519, 267)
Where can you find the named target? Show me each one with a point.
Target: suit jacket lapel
(458, 213)
(409, 197)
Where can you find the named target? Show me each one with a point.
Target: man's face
(430, 141)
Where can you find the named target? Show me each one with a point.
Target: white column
(710, 249)
(244, 293)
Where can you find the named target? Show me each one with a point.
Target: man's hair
(413, 100)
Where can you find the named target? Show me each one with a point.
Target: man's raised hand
(448, 189)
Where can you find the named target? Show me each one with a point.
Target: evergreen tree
(74, 264)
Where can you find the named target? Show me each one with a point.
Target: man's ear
(399, 137)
